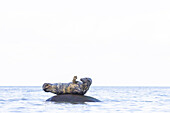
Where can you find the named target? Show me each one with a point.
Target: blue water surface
(32, 99)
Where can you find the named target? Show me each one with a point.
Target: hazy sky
(115, 42)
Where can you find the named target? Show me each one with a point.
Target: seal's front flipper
(74, 80)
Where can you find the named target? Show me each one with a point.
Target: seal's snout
(46, 87)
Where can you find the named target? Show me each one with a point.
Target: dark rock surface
(72, 98)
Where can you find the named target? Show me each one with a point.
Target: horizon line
(91, 86)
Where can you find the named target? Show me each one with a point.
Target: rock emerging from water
(72, 98)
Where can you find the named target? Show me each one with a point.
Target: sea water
(29, 99)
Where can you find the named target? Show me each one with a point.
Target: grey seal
(74, 87)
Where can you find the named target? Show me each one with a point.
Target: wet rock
(72, 98)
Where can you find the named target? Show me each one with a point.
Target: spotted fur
(73, 87)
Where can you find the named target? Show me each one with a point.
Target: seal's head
(88, 81)
(47, 87)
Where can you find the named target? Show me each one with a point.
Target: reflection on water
(114, 99)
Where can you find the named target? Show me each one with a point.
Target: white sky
(115, 42)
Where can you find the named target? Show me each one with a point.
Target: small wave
(162, 95)
(20, 107)
(2, 100)
(17, 99)
(146, 101)
(16, 111)
(24, 99)
(115, 100)
(36, 104)
(11, 100)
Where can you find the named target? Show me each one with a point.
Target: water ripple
(114, 99)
